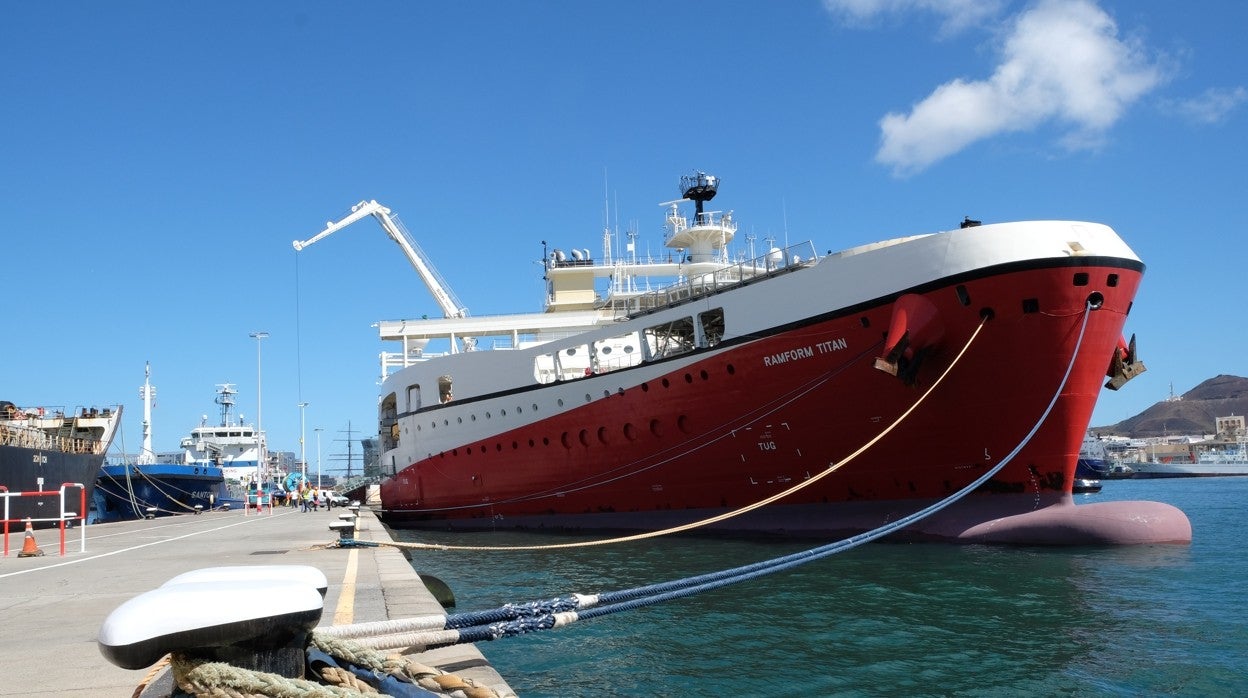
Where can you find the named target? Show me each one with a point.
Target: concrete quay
(52, 607)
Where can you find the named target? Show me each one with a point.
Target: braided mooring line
(220, 680)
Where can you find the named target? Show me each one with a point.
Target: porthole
(665, 383)
(584, 437)
(731, 369)
(1081, 278)
(703, 374)
(588, 398)
(602, 434)
(688, 378)
(656, 428)
(645, 387)
(1111, 280)
(560, 401)
(565, 440)
(535, 407)
(545, 440)
(630, 431)
(606, 350)
(682, 423)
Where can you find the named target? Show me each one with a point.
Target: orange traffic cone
(29, 547)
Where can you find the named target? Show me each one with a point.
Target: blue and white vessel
(1093, 463)
(150, 486)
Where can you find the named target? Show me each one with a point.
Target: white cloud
(956, 14)
(1211, 107)
(1062, 61)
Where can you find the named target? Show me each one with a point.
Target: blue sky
(158, 158)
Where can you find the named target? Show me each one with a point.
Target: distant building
(1230, 428)
(372, 457)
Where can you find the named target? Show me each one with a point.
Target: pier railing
(65, 516)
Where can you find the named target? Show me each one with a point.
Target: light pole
(303, 459)
(261, 459)
(318, 457)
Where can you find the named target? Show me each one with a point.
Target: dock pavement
(52, 607)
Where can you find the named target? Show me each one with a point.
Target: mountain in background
(1194, 412)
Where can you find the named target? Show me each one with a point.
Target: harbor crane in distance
(451, 307)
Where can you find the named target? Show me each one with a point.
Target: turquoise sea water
(887, 619)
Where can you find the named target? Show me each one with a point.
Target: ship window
(865, 321)
(1111, 280)
(1081, 278)
(670, 338)
(1031, 305)
(413, 397)
(712, 322)
(964, 296)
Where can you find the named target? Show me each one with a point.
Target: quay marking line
(126, 550)
(344, 614)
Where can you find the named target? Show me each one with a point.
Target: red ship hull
(715, 430)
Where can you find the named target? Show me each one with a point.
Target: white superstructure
(230, 445)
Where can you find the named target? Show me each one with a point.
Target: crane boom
(451, 307)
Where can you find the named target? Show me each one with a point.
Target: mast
(225, 398)
(147, 392)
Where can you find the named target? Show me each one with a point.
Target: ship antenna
(698, 188)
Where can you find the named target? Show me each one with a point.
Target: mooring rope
(832, 467)
(218, 679)
(516, 619)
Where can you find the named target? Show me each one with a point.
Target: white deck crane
(451, 307)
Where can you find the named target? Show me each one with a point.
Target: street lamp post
(261, 457)
(303, 459)
(318, 457)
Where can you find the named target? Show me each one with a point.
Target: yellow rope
(728, 515)
(151, 674)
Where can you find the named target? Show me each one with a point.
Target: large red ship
(907, 367)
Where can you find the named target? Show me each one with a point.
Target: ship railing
(29, 437)
(65, 516)
(775, 262)
(677, 223)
